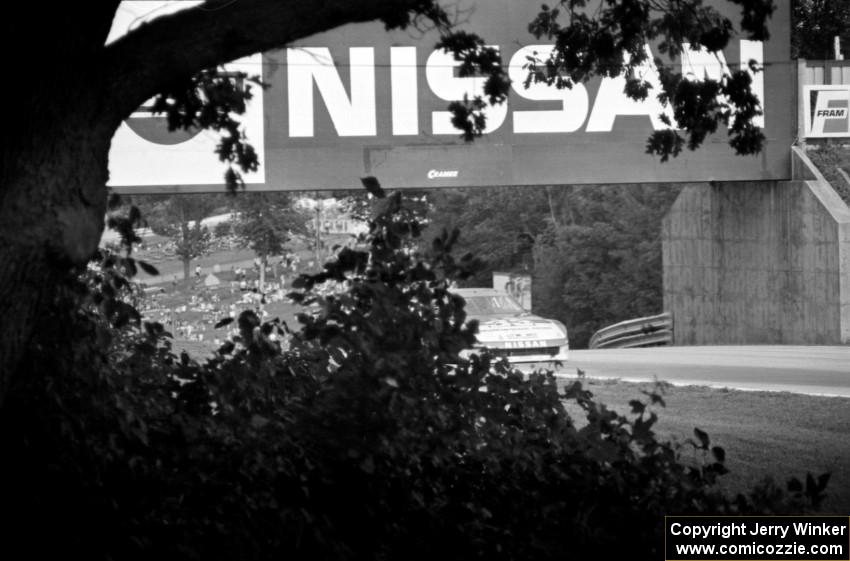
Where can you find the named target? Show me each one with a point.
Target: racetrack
(809, 370)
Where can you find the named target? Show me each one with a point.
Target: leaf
(637, 406)
(703, 438)
(719, 454)
(130, 266)
(114, 201)
(810, 483)
(148, 268)
(795, 485)
(223, 322)
(373, 187)
(258, 421)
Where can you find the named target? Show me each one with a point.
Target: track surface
(800, 369)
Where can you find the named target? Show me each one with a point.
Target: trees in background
(594, 252)
(500, 225)
(178, 217)
(265, 222)
(816, 23)
(601, 262)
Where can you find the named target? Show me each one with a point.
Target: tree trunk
(185, 243)
(54, 145)
(263, 261)
(551, 207)
(24, 274)
(318, 231)
(52, 208)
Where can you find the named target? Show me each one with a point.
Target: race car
(509, 331)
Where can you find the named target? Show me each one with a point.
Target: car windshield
(493, 304)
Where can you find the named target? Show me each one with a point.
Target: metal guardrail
(641, 332)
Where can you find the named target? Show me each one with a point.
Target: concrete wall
(758, 262)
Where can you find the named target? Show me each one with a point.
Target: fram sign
(827, 111)
(360, 101)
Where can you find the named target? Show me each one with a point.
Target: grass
(225, 258)
(765, 434)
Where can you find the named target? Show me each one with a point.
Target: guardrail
(641, 332)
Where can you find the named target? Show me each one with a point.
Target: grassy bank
(765, 434)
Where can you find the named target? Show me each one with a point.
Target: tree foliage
(501, 224)
(602, 263)
(179, 217)
(816, 23)
(369, 437)
(211, 100)
(594, 252)
(609, 39)
(265, 222)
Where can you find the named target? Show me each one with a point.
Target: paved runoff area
(809, 370)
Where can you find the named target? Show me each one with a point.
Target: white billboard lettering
(574, 101)
(355, 114)
(440, 73)
(611, 100)
(703, 64)
(352, 116)
(405, 90)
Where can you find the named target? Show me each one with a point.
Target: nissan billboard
(360, 101)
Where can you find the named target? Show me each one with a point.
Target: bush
(368, 438)
(223, 229)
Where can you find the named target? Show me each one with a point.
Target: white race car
(508, 330)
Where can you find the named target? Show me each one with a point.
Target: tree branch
(178, 45)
